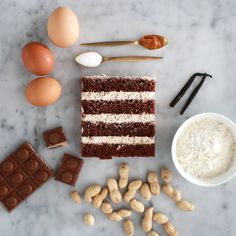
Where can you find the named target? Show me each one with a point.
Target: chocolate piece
(42, 175)
(20, 175)
(8, 166)
(5, 189)
(23, 153)
(17, 177)
(55, 138)
(33, 164)
(69, 169)
(11, 201)
(27, 188)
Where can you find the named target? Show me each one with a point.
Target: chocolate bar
(21, 173)
(55, 138)
(69, 169)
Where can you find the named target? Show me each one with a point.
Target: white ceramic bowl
(220, 179)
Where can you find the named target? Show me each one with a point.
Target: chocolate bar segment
(55, 138)
(5, 189)
(20, 175)
(26, 188)
(11, 201)
(69, 169)
(8, 166)
(33, 164)
(23, 153)
(42, 175)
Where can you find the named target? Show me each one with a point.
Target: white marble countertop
(202, 38)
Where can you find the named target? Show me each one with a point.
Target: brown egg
(63, 27)
(37, 58)
(43, 91)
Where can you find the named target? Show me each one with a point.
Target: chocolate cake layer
(118, 116)
(117, 83)
(104, 151)
(125, 129)
(118, 107)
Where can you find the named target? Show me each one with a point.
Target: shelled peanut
(75, 197)
(89, 219)
(160, 218)
(98, 196)
(147, 220)
(166, 175)
(128, 227)
(153, 183)
(170, 229)
(124, 175)
(97, 201)
(115, 194)
(146, 192)
(91, 192)
(132, 189)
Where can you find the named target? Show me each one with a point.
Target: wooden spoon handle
(131, 58)
(114, 43)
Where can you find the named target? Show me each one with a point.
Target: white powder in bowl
(206, 148)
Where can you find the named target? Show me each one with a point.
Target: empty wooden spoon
(94, 59)
(150, 42)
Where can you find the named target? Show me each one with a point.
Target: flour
(206, 148)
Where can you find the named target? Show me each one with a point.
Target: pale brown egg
(43, 91)
(63, 27)
(37, 58)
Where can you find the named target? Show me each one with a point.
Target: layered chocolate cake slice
(118, 116)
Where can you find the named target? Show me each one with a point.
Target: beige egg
(63, 27)
(43, 91)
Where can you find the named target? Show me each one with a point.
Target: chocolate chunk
(55, 138)
(20, 175)
(69, 169)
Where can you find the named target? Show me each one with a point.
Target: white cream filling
(113, 96)
(119, 118)
(126, 140)
(150, 78)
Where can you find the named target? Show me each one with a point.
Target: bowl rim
(201, 182)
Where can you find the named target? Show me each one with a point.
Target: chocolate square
(23, 153)
(67, 177)
(32, 164)
(5, 189)
(69, 169)
(42, 175)
(55, 138)
(26, 188)
(8, 166)
(17, 177)
(71, 163)
(11, 201)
